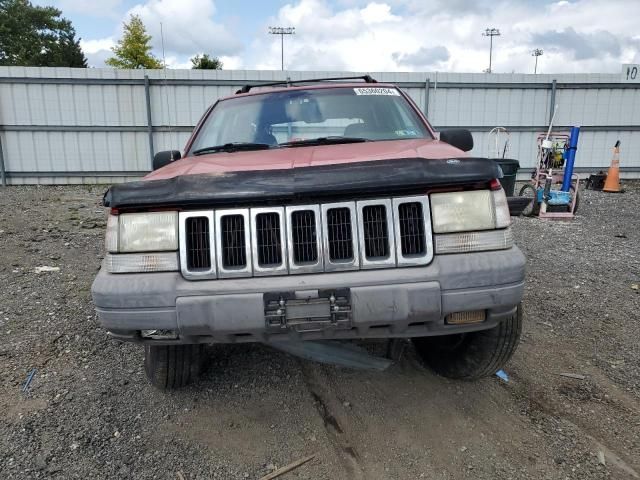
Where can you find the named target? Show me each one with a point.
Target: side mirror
(458, 137)
(161, 159)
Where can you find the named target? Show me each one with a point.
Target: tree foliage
(205, 62)
(35, 36)
(133, 49)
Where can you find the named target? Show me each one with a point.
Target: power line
(282, 31)
(536, 53)
(491, 32)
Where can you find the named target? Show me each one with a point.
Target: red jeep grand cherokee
(322, 210)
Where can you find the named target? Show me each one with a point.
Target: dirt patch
(90, 413)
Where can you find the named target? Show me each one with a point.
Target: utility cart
(554, 186)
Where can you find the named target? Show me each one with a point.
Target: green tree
(34, 36)
(133, 49)
(205, 62)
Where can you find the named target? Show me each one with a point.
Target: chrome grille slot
(304, 234)
(411, 233)
(268, 240)
(305, 237)
(377, 242)
(375, 231)
(233, 242)
(340, 234)
(198, 244)
(412, 221)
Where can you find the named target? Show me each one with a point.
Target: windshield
(301, 116)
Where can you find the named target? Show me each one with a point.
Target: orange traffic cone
(612, 184)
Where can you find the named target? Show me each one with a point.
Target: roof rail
(247, 88)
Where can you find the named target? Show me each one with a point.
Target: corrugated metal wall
(61, 125)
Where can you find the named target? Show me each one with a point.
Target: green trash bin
(510, 169)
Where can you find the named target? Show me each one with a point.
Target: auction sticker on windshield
(376, 91)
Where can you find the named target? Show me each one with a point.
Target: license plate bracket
(308, 311)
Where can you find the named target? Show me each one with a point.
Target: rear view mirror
(161, 159)
(458, 137)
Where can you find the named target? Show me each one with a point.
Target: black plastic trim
(290, 185)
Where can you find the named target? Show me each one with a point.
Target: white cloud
(188, 27)
(103, 8)
(231, 62)
(417, 35)
(400, 35)
(97, 50)
(94, 46)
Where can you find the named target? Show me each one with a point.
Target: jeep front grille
(380, 233)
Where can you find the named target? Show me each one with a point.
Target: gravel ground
(89, 412)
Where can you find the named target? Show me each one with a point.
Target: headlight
(462, 211)
(142, 232)
(469, 211)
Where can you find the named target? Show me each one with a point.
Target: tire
(527, 191)
(169, 367)
(470, 356)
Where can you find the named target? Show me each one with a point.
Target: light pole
(491, 32)
(536, 53)
(282, 31)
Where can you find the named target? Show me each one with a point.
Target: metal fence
(62, 125)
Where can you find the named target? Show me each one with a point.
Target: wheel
(533, 208)
(469, 356)
(528, 191)
(169, 367)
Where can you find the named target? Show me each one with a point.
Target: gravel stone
(257, 408)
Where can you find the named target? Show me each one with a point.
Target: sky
(576, 36)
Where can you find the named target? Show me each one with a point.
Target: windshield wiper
(332, 140)
(234, 147)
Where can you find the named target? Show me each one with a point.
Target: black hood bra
(300, 184)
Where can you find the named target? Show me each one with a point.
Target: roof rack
(247, 88)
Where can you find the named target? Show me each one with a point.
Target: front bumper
(398, 302)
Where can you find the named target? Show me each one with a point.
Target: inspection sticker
(376, 91)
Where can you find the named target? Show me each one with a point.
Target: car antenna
(166, 86)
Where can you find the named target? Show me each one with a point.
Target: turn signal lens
(503, 217)
(474, 241)
(465, 318)
(142, 262)
(111, 238)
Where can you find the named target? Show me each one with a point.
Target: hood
(308, 156)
